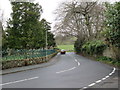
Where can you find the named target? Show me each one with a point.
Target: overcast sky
(48, 6)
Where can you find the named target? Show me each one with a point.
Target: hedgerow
(93, 47)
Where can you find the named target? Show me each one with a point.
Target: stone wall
(25, 62)
(112, 52)
(108, 52)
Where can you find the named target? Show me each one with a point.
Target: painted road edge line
(98, 81)
(19, 81)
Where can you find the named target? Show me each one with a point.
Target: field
(66, 47)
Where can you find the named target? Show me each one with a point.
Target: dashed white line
(66, 70)
(107, 77)
(113, 70)
(103, 78)
(77, 62)
(91, 84)
(85, 87)
(110, 74)
(18, 81)
(98, 81)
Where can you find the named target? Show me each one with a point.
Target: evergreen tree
(25, 30)
(46, 31)
(24, 25)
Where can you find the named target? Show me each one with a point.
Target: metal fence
(25, 54)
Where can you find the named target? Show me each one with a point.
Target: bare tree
(81, 19)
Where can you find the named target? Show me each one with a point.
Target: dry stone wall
(26, 62)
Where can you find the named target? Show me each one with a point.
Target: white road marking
(18, 81)
(113, 71)
(106, 77)
(66, 70)
(84, 88)
(78, 64)
(110, 74)
(76, 60)
(98, 81)
(91, 84)
(103, 78)
(114, 68)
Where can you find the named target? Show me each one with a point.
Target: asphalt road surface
(70, 71)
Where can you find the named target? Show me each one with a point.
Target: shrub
(117, 63)
(78, 45)
(93, 47)
(104, 58)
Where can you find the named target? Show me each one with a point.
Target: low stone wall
(25, 62)
(112, 52)
(108, 52)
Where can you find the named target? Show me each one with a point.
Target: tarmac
(112, 82)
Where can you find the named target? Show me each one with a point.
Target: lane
(71, 71)
(42, 72)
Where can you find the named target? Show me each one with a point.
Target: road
(70, 71)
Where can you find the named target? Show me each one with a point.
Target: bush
(117, 63)
(77, 45)
(93, 47)
(104, 58)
